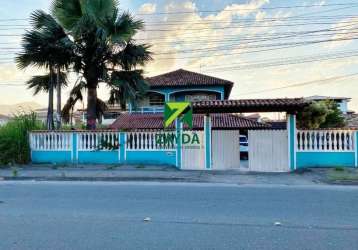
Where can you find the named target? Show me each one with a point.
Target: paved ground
(105, 215)
(159, 173)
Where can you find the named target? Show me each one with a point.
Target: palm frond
(127, 87)
(40, 83)
(132, 55)
(101, 107)
(67, 12)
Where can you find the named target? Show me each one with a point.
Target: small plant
(140, 166)
(339, 169)
(14, 172)
(105, 143)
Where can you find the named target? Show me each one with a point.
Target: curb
(102, 179)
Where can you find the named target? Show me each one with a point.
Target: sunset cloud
(147, 8)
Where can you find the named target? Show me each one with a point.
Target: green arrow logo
(173, 110)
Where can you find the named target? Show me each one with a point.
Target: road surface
(98, 215)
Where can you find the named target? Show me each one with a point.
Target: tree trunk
(91, 107)
(58, 90)
(50, 124)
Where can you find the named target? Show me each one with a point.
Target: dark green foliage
(322, 114)
(14, 139)
(104, 52)
(334, 118)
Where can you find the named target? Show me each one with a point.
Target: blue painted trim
(207, 133)
(325, 159)
(74, 153)
(178, 128)
(356, 149)
(168, 91)
(291, 119)
(122, 147)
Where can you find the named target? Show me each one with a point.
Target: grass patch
(343, 174)
(14, 142)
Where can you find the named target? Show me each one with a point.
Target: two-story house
(342, 102)
(181, 85)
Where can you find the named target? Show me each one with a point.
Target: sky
(268, 48)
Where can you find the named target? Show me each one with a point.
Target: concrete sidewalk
(156, 173)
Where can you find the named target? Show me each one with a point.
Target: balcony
(147, 109)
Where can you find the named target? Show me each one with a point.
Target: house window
(156, 99)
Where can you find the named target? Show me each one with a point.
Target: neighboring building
(109, 116)
(182, 85)
(41, 114)
(4, 119)
(341, 101)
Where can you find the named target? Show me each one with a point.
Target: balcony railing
(148, 109)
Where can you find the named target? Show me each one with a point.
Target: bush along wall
(14, 140)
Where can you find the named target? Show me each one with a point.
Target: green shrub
(14, 139)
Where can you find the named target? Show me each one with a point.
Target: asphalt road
(68, 215)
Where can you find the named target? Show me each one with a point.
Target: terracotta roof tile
(250, 105)
(155, 121)
(185, 78)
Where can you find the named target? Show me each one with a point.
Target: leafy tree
(105, 51)
(321, 114)
(334, 118)
(48, 47)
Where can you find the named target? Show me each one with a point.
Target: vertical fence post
(291, 130)
(74, 148)
(207, 136)
(178, 131)
(355, 148)
(122, 147)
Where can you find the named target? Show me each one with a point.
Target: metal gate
(268, 150)
(193, 156)
(225, 149)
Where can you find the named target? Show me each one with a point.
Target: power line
(277, 47)
(263, 20)
(281, 61)
(248, 9)
(310, 31)
(11, 85)
(325, 81)
(242, 45)
(253, 20)
(218, 28)
(237, 41)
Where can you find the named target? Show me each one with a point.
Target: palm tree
(76, 95)
(105, 50)
(44, 83)
(48, 47)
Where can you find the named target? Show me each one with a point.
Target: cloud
(176, 35)
(147, 8)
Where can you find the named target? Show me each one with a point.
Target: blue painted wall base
(52, 157)
(325, 159)
(151, 157)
